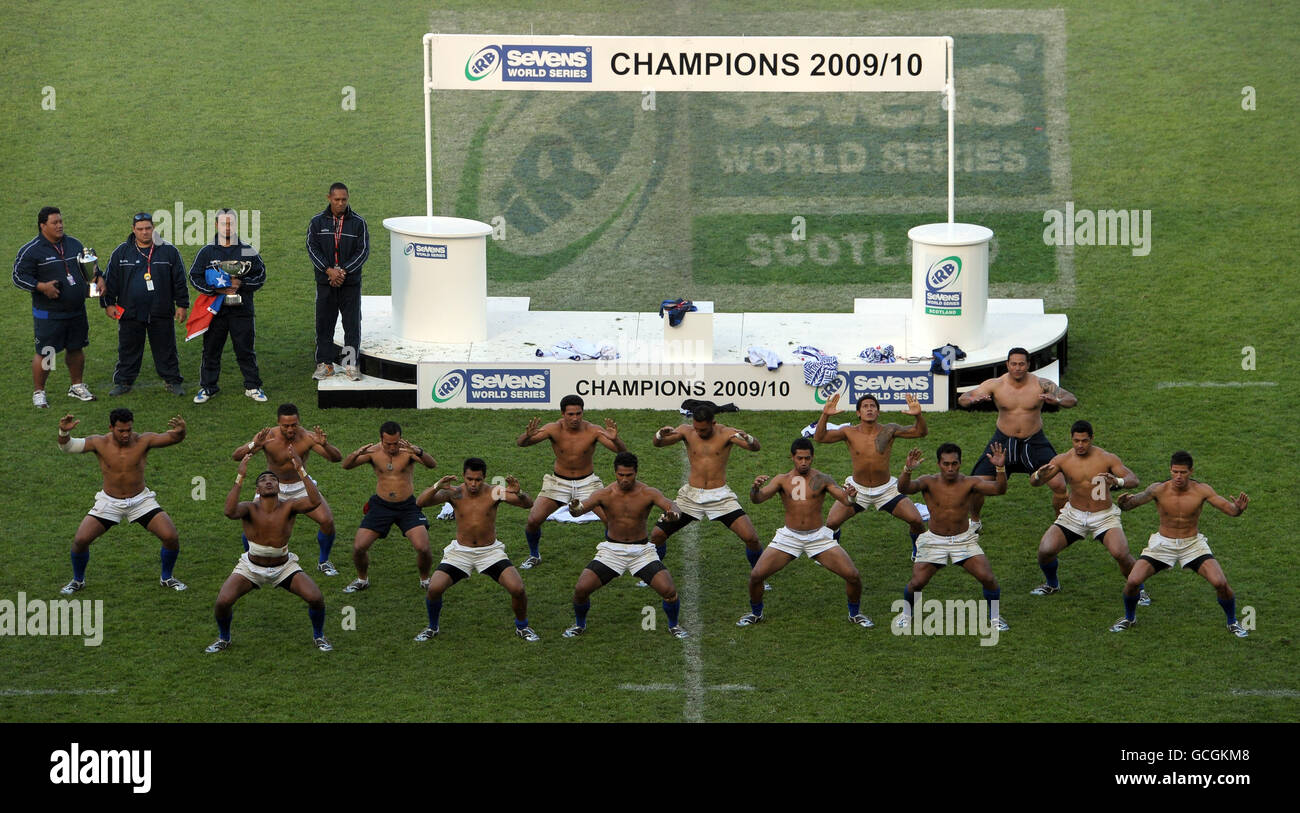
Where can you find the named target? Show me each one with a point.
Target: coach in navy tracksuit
(338, 244)
(146, 279)
(235, 321)
(47, 267)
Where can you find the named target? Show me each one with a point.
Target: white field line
(694, 677)
(1166, 385)
(31, 692)
(673, 687)
(1266, 692)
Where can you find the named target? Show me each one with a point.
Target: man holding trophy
(231, 270)
(59, 273)
(145, 290)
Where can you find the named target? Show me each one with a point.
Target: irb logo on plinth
(950, 286)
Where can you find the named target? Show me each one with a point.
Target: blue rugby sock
(854, 606)
(223, 627)
(756, 609)
(752, 556)
(79, 562)
(534, 541)
(991, 596)
(1131, 607)
(1049, 570)
(521, 624)
(914, 538)
(435, 610)
(1229, 606)
(671, 608)
(317, 622)
(245, 540)
(326, 542)
(168, 559)
(580, 613)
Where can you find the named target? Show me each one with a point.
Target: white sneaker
(256, 394)
(38, 400)
(352, 372)
(327, 567)
(323, 371)
(203, 396)
(80, 391)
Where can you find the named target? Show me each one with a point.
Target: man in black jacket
(235, 320)
(146, 279)
(47, 267)
(338, 244)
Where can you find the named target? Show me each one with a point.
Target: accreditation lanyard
(148, 265)
(338, 232)
(58, 248)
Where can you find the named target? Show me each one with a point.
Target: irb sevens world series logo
(942, 294)
(563, 171)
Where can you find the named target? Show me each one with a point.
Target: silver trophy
(237, 269)
(90, 268)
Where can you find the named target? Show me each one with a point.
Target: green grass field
(1098, 103)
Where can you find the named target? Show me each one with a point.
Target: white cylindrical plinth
(950, 285)
(439, 278)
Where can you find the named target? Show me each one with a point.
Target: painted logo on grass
(942, 295)
(562, 171)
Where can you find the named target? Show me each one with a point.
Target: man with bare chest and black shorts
(1020, 397)
(393, 458)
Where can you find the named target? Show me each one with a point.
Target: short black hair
(1017, 351)
(121, 415)
(625, 459)
(571, 400)
(1081, 426)
(474, 464)
(44, 214)
(867, 397)
(336, 186)
(392, 428)
(1181, 458)
(801, 443)
(703, 412)
(263, 474)
(948, 448)
(286, 409)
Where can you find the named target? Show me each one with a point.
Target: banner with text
(617, 385)
(718, 64)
